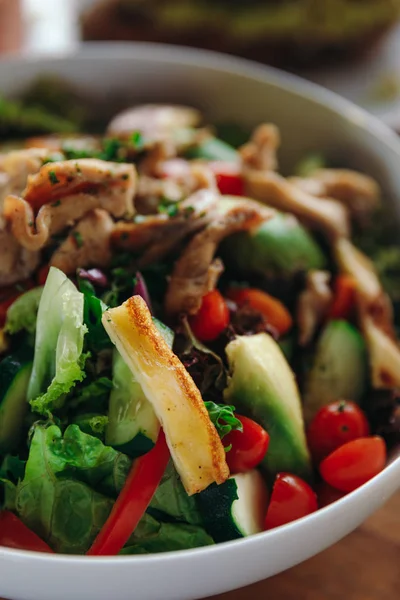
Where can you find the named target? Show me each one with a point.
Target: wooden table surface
(363, 566)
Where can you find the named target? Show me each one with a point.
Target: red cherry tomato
(334, 425)
(229, 177)
(355, 463)
(248, 446)
(273, 310)
(212, 318)
(292, 498)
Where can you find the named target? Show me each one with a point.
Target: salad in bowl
(194, 348)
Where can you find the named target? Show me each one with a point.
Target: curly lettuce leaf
(58, 362)
(152, 536)
(64, 494)
(22, 314)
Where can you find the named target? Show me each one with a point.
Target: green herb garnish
(224, 419)
(78, 238)
(53, 178)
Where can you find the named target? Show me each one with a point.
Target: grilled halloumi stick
(195, 446)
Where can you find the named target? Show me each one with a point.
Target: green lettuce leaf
(11, 471)
(171, 500)
(154, 536)
(22, 314)
(58, 361)
(64, 496)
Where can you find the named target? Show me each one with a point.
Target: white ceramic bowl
(310, 119)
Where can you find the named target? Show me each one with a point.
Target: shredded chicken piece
(113, 183)
(16, 263)
(260, 152)
(329, 216)
(360, 193)
(194, 272)
(82, 186)
(313, 305)
(87, 245)
(20, 164)
(4, 191)
(153, 121)
(375, 315)
(195, 446)
(56, 143)
(162, 150)
(156, 236)
(184, 179)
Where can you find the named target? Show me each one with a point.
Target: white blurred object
(51, 25)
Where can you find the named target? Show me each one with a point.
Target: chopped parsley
(56, 203)
(137, 140)
(224, 419)
(168, 207)
(78, 238)
(53, 178)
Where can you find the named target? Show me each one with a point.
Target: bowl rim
(287, 82)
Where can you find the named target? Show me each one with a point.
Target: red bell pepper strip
(344, 301)
(229, 177)
(131, 504)
(14, 534)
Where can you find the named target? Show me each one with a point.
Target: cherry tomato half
(15, 534)
(334, 425)
(292, 498)
(271, 308)
(212, 318)
(248, 446)
(355, 463)
(229, 177)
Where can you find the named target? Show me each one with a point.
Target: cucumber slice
(236, 508)
(132, 426)
(15, 372)
(213, 149)
(339, 370)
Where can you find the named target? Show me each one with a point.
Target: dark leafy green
(155, 536)
(172, 500)
(64, 496)
(96, 337)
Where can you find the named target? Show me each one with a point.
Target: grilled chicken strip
(313, 305)
(16, 263)
(62, 193)
(87, 245)
(358, 192)
(323, 214)
(260, 152)
(153, 237)
(195, 446)
(20, 164)
(153, 121)
(194, 272)
(375, 315)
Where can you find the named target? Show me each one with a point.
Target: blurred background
(350, 46)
